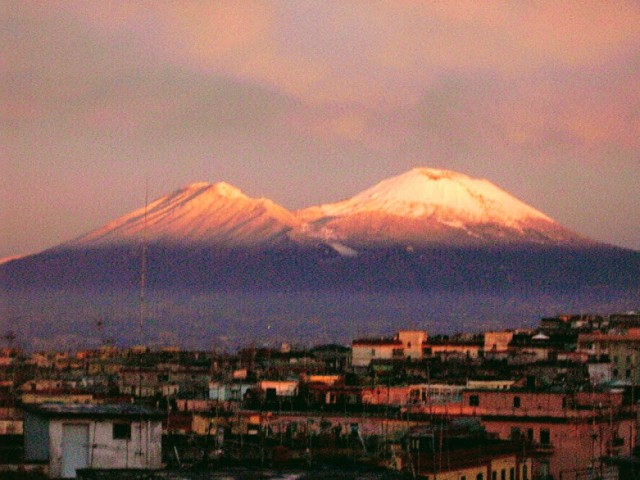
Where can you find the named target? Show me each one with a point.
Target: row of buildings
(557, 401)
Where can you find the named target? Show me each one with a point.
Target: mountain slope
(423, 230)
(199, 214)
(420, 208)
(219, 262)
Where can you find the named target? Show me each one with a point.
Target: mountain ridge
(421, 207)
(218, 261)
(213, 236)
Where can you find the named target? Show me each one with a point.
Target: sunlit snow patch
(343, 249)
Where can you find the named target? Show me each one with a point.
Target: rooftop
(120, 410)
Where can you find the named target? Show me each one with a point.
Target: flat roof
(77, 410)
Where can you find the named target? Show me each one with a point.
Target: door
(75, 448)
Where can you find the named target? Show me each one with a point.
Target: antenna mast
(143, 271)
(143, 267)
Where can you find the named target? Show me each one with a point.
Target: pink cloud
(373, 54)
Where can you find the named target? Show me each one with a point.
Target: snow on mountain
(418, 208)
(431, 206)
(200, 213)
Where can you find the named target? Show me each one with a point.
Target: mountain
(421, 244)
(424, 230)
(421, 208)
(434, 207)
(199, 214)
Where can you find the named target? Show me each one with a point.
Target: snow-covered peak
(200, 212)
(423, 206)
(442, 194)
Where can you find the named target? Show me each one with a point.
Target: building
(229, 392)
(73, 436)
(563, 432)
(458, 347)
(497, 342)
(405, 345)
(458, 450)
(620, 348)
(412, 343)
(364, 351)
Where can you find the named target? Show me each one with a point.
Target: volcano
(426, 233)
(423, 229)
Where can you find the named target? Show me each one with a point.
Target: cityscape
(556, 401)
(319, 240)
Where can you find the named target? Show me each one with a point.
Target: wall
(108, 452)
(497, 341)
(284, 388)
(36, 443)
(363, 354)
(412, 341)
(572, 445)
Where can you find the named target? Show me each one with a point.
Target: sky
(307, 102)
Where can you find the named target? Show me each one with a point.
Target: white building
(279, 388)
(229, 392)
(74, 436)
(405, 345)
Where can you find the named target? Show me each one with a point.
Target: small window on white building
(122, 431)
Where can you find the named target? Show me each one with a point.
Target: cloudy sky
(309, 102)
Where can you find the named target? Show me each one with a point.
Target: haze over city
(308, 103)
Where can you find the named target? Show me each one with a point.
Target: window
(524, 473)
(503, 474)
(627, 373)
(512, 474)
(516, 402)
(530, 434)
(494, 475)
(474, 400)
(615, 373)
(545, 436)
(373, 352)
(479, 476)
(463, 477)
(122, 431)
(544, 469)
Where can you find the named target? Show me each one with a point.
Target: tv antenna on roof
(10, 338)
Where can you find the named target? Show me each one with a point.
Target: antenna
(9, 337)
(143, 266)
(143, 271)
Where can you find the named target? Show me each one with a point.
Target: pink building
(564, 432)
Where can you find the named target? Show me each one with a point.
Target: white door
(75, 448)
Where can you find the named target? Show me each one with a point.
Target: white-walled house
(74, 436)
(279, 388)
(405, 345)
(229, 392)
